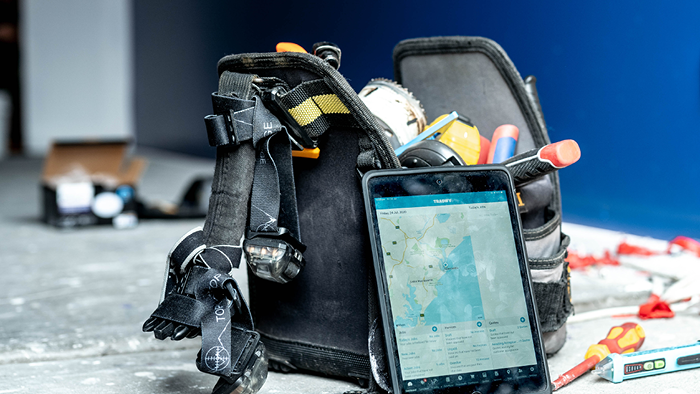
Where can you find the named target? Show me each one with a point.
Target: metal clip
(298, 134)
(328, 52)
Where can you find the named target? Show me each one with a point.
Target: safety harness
(252, 211)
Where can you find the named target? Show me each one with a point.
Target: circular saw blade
(398, 111)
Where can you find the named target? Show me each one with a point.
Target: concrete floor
(72, 303)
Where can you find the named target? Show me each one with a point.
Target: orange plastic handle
(289, 47)
(562, 153)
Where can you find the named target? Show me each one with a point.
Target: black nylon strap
(222, 258)
(179, 258)
(186, 249)
(240, 84)
(181, 309)
(221, 314)
(233, 122)
(190, 247)
(280, 148)
(367, 159)
(206, 282)
(227, 217)
(265, 196)
(218, 132)
(216, 340)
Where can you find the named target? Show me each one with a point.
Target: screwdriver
(626, 338)
(528, 166)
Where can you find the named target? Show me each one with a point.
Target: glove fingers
(180, 332)
(150, 324)
(164, 330)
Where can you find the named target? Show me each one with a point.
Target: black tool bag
(324, 319)
(320, 320)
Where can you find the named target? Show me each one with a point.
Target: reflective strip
(549, 275)
(313, 107)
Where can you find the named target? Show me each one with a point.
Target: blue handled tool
(451, 117)
(619, 367)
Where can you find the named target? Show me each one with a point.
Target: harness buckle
(298, 135)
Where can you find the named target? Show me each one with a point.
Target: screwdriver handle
(626, 338)
(530, 165)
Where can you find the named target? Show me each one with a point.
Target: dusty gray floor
(72, 304)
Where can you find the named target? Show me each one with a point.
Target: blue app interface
(455, 287)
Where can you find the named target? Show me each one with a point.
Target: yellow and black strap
(314, 107)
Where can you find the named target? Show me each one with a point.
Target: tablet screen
(455, 289)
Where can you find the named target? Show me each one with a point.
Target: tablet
(453, 281)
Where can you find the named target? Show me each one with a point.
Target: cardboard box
(90, 182)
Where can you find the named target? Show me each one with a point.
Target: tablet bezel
(391, 183)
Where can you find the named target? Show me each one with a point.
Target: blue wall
(622, 78)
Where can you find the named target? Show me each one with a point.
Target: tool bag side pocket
(547, 248)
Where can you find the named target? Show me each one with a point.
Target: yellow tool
(463, 137)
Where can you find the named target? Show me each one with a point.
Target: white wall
(76, 71)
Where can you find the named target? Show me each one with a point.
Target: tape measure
(462, 136)
(397, 111)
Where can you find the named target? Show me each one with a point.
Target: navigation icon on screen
(522, 320)
(478, 324)
(434, 328)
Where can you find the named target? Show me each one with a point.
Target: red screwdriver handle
(626, 338)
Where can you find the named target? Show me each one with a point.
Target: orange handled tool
(626, 338)
(529, 166)
(289, 47)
